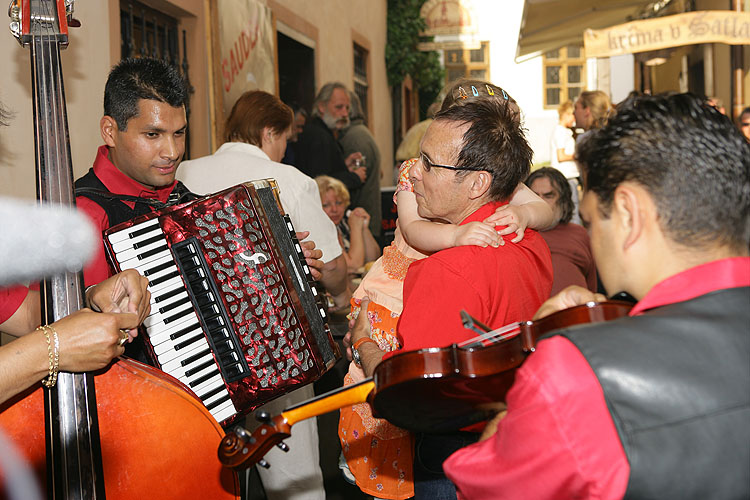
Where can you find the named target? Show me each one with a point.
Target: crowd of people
(653, 405)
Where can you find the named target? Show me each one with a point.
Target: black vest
(677, 384)
(91, 187)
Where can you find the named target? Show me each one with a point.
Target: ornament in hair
(462, 93)
(474, 91)
(489, 90)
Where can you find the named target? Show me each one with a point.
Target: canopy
(551, 24)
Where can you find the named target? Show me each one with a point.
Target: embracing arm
(428, 236)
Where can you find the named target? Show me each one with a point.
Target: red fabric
(118, 183)
(494, 285)
(572, 260)
(558, 439)
(10, 300)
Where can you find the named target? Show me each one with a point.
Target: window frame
(564, 62)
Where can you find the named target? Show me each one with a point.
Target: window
(471, 63)
(564, 75)
(361, 85)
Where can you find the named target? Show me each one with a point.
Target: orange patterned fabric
(395, 263)
(378, 454)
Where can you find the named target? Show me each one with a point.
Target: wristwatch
(355, 353)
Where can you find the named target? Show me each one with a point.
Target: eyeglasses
(428, 164)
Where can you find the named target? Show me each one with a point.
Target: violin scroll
(240, 450)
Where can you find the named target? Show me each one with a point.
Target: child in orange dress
(378, 454)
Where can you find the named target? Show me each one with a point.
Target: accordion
(235, 314)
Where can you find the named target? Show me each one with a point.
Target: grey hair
(356, 112)
(325, 93)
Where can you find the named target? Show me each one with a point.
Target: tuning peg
(263, 417)
(283, 446)
(244, 434)
(264, 464)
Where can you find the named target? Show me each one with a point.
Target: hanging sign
(246, 48)
(708, 26)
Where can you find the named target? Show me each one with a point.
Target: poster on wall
(246, 49)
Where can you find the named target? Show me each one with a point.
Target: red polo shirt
(118, 183)
(494, 285)
(10, 300)
(558, 439)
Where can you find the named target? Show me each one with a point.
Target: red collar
(483, 212)
(699, 280)
(119, 183)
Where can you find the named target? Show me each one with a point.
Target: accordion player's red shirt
(118, 183)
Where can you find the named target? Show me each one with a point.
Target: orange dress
(379, 454)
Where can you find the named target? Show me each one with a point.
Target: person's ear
(108, 128)
(628, 214)
(480, 184)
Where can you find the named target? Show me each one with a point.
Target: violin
(429, 390)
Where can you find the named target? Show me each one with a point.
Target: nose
(172, 148)
(415, 172)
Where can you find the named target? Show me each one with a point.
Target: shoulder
(94, 211)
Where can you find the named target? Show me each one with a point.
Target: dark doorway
(296, 73)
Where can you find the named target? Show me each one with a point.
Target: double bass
(428, 390)
(128, 431)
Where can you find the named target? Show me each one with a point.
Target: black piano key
(168, 294)
(217, 402)
(143, 231)
(188, 342)
(158, 268)
(200, 367)
(212, 393)
(164, 278)
(175, 304)
(159, 249)
(199, 381)
(182, 332)
(148, 241)
(195, 357)
(178, 315)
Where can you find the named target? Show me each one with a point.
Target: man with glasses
(473, 157)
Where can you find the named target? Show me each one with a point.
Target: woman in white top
(562, 152)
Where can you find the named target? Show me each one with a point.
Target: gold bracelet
(53, 349)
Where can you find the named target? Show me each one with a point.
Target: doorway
(296, 73)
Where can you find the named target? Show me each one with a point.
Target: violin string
(504, 332)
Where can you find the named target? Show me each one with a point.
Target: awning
(551, 24)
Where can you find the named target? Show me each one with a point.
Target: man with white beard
(317, 151)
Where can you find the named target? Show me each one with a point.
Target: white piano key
(168, 353)
(165, 302)
(156, 317)
(130, 243)
(185, 379)
(159, 335)
(223, 412)
(208, 385)
(125, 233)
(139, 264)
(170, 284)
(176, 364)
(133, 253)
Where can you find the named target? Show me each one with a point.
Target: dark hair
(494, 142)
(690, 158)
(134, 79)
(559, 184)
(254, 111)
